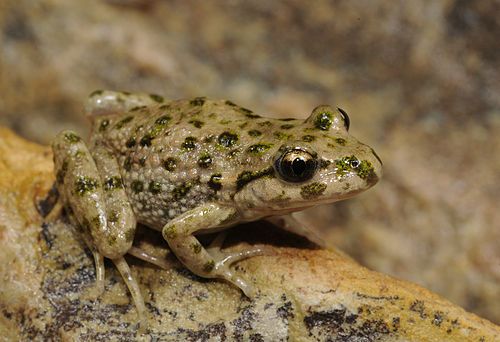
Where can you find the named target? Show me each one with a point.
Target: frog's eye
(296, 165)
(347, 122)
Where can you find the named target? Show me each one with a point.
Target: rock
(304, 293)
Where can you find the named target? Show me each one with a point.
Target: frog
(200, 165)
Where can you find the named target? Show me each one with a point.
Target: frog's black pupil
(298, 166)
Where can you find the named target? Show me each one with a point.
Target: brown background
(420, 80)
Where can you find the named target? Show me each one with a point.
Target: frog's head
(322, 164)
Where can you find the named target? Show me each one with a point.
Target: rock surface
(304, 293)
(420, 81)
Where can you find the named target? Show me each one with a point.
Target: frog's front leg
(211, 263)
(91, 186)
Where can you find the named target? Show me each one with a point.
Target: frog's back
(176, 155)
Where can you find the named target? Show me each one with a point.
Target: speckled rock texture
(419, 79)
(304, 293)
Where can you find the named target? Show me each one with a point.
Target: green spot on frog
(131, 142)
(254, 133)
(246, 177)
(312, 191)
(113, 217)
(181, 191)
(308, 138)
(146, 140)
(265, 123)
(135, 109)
(230, 103)
(111, 240)
(258, 149)
(112, 183)
(127, 164)
(170, 164)
(196, 123)
(123, 122)
(225, 122)
(283, 136)
(189, 143)
(243, 125)
(323, 121)
(129, 234)
(366, 172)
(209, 266)
(197, 101)
(84, 185)
(171, 232)
(227, 139)
(163, 121)
(137, 186)
(287, 126)
(196, 247)
(155, 187)
(215, 182)
(104, 124)
(72, 138)
(340, 141)
(205, 161)
(157, 98)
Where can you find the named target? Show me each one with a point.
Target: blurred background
(419, 79)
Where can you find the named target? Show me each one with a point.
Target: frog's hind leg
(105, 102)
(99, 205)
(133, 287)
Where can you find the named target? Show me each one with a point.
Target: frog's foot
(223, 260)
(143, 255)
(133, 287)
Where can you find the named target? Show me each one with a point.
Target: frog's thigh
(105, 102)
(79, 182)
(179, 235)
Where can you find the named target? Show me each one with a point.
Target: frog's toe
(224, 272)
